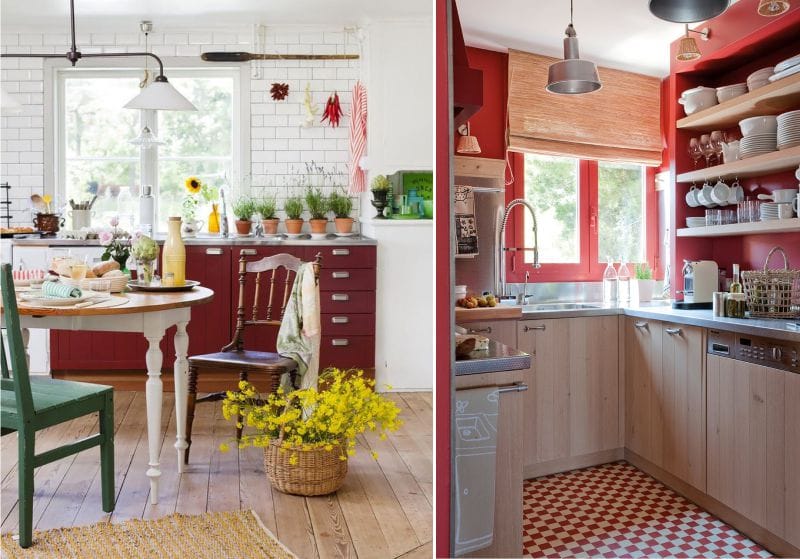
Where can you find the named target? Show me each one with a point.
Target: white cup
(704, 196)
(785, 195)
(720, 193)
(796, 205)
(691, 197)
(785, 210)
(736, 194)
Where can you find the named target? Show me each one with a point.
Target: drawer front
(345, 302)
(359, 279)
(345, 352)
(345, 257)
(348, 324)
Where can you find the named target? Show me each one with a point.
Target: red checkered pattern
(616, 510)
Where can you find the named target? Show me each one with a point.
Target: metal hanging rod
(247, 56)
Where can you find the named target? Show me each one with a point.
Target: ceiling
(616, 33)
(193, 13)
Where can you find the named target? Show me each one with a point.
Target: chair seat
(250, 360)
(50, 394)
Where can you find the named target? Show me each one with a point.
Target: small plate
(36, 298)
(351, 234)
(272, 235)
(190, 284)
(319, 236)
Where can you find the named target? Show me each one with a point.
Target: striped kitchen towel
(60, 290)
(358, 138)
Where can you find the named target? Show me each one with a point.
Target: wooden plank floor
(383, 510)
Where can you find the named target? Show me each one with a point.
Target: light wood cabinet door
(643, 412)
(572, 406)
(792, 457)
(503, 331)
(748, 415)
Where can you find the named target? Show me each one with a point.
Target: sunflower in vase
(197, 191)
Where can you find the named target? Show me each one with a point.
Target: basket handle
(773, 251)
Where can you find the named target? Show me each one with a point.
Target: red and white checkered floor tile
(616, 510)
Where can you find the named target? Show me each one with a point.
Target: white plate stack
(759, 78)
(789, 130)
(786, 68)
(695, 222)
(770, 211)
(757, 144)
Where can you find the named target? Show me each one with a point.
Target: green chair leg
(25, 466)
(107, 454)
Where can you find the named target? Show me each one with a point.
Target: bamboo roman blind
(620, 122)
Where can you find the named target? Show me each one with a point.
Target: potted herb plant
(294, 210)
(243, 209)
(644, 281)
(341, 205)
(266, 208)
(317, 205)
(380, 191)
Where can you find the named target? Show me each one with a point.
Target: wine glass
(717, 139)
(694, 151)
(706, 148)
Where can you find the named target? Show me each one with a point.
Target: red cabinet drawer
(358, 279)
(336, 257)
(344, 302)
(348, 324)
(346, 352)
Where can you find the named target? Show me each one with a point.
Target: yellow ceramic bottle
(173, 268)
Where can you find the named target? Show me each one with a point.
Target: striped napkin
(57, 290)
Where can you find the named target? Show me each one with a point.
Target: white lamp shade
(160, 95)
(146, 139)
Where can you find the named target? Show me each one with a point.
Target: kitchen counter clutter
(305, 240)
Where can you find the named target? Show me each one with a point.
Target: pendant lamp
(772, 8)
(572, 75)
(146, 139)
(687, 11)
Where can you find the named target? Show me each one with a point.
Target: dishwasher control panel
(779, 354)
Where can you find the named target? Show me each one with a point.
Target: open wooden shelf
(734, 229)
(772, 162)
(777, 97)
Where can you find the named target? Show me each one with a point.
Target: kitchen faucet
(500, 268)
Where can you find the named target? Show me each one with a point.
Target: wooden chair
(29, 405)
(233, 357)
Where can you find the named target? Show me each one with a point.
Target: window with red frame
(587, 212)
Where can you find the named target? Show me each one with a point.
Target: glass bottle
(736, 287)
(624, 278)
(147, 210)
(610, 283)
(173, 266)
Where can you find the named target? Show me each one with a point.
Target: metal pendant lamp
(687, 11)
(772, 8)
(572, 75)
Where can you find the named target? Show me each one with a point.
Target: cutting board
(511, 312)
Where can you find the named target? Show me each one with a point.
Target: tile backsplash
(280, 147)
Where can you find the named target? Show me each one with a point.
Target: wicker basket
(773, 293)
(118, 283)
(317, 472)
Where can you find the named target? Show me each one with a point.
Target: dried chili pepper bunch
(333, 110)
(279, 91)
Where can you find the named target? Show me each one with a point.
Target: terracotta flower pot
(344, 224)
(270, 225)
(318, 225)
(294, 226)
(243, 227)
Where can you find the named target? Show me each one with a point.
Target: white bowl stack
(789, 130)
(727, 92)
(759, 78)
(786, 68)
(695, 222)
(759, 136)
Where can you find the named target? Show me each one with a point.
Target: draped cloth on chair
(300, 332)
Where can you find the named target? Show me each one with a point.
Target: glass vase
(213, 219)
(145, 271)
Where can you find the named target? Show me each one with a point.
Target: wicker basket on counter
(773, 293)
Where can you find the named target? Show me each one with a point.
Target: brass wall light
(687, 48)
(771, 8)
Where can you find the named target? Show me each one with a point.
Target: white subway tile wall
(281, 149)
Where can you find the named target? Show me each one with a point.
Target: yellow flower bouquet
(308, 434)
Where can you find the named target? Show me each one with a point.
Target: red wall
(488, 124)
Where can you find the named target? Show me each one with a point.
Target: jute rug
(220, 535)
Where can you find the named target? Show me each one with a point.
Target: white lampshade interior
(161, 96)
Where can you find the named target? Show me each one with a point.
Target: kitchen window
(95, 157)
(586, 212)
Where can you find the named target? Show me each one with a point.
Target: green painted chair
(29, 405)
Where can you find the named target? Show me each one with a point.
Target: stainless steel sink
(559, 307)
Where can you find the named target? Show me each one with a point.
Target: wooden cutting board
(499, 312)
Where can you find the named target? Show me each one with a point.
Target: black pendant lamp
(687, 11)
(572, 75)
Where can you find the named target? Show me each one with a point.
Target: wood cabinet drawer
(359, 279)
(345, 257)
(338, 302)
(348, 324)
(346, 352)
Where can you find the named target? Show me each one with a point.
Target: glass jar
(735, 305)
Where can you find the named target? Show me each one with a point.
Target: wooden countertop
(500, 312)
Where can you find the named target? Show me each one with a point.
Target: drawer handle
(247, 252)
(529, 328)
(641, 325)
(214, 251)
(340, 319)
(516, 387)
(487, 330)
(340, 342)
(340, 297)
(673, 331)
(340, 275)
(341, 252)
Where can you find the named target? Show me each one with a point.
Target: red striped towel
(358, 138)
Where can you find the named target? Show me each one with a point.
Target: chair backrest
(274, 279)
(21, 383)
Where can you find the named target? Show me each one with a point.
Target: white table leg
(181, 372)
(154, 396)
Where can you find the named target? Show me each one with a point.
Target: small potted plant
(266, 208)
(380, 190)
(294, 210)
(341, 205)
(317, 205)
(243, 209)
(644, 281)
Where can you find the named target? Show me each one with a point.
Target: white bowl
(730, 91)
(759, 125)
(761, 74)
(697, 99)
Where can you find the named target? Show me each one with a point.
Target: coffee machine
(700, 281)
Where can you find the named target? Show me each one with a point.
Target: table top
(138, 302)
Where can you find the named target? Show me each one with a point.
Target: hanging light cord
(570, 12)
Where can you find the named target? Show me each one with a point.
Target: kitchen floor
(616, 510)
(383, 509)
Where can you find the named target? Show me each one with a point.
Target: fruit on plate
(472, 301)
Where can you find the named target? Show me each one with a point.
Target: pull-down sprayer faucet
(500, 268)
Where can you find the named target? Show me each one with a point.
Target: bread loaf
(105, 267)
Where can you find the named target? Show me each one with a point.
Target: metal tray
(190, 284)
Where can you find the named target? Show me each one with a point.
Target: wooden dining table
(150, 314)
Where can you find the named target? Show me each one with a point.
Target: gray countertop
(305, 240)
(499, 357)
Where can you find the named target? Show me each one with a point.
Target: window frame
(589, 267)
